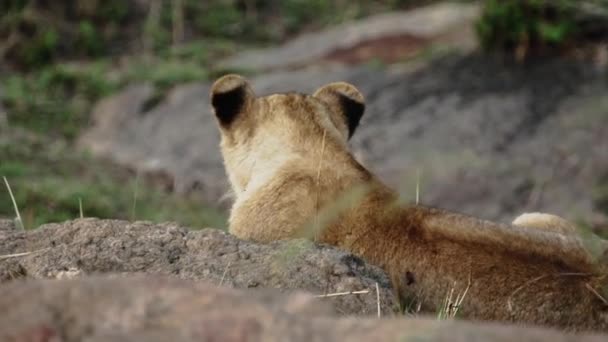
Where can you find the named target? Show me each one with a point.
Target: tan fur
(545, 221)
(287, 159)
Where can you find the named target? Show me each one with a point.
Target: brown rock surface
(156, 308)
(437, 22)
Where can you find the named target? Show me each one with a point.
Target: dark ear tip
(354, 111)
(348, 99)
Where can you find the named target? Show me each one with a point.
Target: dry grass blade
(460, 299)
(444, 312)
(336, 294)
(80, 207)
(450, 307)
(10, 192)
(135, 196)
(225, 272)
(17, 255)
(597, 294)
(378, 300)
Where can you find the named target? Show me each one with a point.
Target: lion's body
(288, 162)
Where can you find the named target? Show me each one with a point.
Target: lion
(545, 221)
(288, 162)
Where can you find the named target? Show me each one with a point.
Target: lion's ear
(345, 99)
(231, 95)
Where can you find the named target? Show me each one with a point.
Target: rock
(7, 224)
(131, 139)
(90, 246)
(127, 106)
(487, 137)
(157, 308)
(411, 30)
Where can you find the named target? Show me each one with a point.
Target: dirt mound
(91, 246)
(6, 224)
(156, 308)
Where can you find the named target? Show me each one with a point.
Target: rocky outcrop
(86, 247)
(486, 137)
(409, 33)
(156, 308)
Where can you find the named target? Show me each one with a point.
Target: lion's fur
(287, 158)
(546, 222)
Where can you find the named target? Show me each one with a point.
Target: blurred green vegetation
(39, 32)
(50, 182)
(59, 57)
(541, 27)
(56, 99)
(63, 56)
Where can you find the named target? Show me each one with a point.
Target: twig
(16, 255)
(224, 274)
(342, 294)
(594, 291)
(10, 192)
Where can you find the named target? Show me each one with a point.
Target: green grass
(56, 100)
(48, 108)
(51, 182)
(36, 34)
(535, 27)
